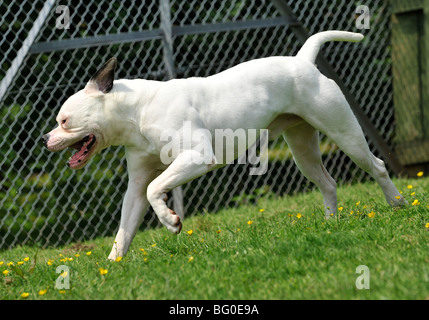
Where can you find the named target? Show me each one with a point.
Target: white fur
(287, 95)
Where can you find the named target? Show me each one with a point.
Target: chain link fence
(45, 203)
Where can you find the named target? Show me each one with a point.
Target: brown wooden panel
(407, 83)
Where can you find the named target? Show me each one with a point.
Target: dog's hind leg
(188, 165)
(303, 141)
(355, 146)
(332, 115)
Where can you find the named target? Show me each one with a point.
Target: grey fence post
(166, 28)
(22, 53)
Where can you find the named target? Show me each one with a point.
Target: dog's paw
(113, 254)
(111, 257)
(397, 202)
(172, 222)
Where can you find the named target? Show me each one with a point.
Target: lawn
(282, 248)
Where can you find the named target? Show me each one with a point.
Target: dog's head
(79, 123)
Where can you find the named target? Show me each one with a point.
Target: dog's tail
(311, 47)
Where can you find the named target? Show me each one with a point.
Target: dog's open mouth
(85, 148)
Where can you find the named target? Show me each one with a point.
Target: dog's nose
(45, 139)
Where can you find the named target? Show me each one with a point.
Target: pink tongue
(83, 150)
(80, 154)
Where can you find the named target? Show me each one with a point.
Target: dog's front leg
(134, 206)
(133, 209)
(187, 166)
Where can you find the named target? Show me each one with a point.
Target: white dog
(287, 95)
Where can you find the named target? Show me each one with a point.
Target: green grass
(275, 256)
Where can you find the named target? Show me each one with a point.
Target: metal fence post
(167, 43)
(22, 53)
(166, 27)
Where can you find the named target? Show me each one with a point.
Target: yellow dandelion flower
(77, 255)
(299, 216)
(62, 291)
(409, 186)
(26, 259)
(154, 245)
(261, 210)
(118, 259)
(1, 263)
(191, 258)
(49, 263)
(416, 202)
(427, 225)
(398, 197)
(88, 253)
(372, 214)
(103, 271)
(218, 231)
(141, 249)
(10, 264)
(64, 274)
(420, 174)
(145, 253)
(25, 294)
(412, 193)
(351, 212)
(5, 272)
(42, 292)
(340, 209)
(357, 203)
(190, 232)
(20, 262)
(249, 222)
(145, 259)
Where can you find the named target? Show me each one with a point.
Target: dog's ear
(103, 78)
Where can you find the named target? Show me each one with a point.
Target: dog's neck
(124, 111)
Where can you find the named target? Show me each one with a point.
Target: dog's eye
(63, 122)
